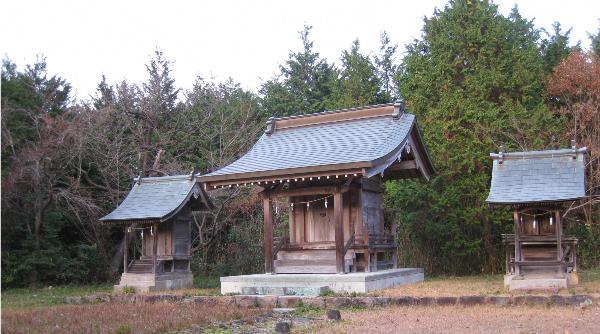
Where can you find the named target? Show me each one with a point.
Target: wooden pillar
(268, 234)
(154, 246)
(338, 217)
(558, 235)
(516, 217)
(126, 250)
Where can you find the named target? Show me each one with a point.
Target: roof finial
(501, 153)
(574, 148)
(398, 108)
(270, 126)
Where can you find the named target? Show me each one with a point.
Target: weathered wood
(517, 241)
(338, 215)
(126, 249)
(558, 228)
(154, 246)
(268, 234)
(321, 190)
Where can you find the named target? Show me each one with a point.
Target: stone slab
(538, 283)
(312, 284)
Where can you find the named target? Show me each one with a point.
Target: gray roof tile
(154, 198)
(360, 140)
(538, 176)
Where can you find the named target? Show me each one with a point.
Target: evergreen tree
(555, 47)
(356, 82)
(474, 81)
(105, 94)
(302, 85)
(595, 42)
(387, 68)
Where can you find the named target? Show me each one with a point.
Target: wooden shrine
(540, 186)
(156, 217)
(322, 186)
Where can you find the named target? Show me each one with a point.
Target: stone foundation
(314, 284)
(540, 282)
(160, 282)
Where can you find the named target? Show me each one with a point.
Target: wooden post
(338, 217)
(154, 246)
(126, 250)
(558, 235)
(268, 234)
(517, 243)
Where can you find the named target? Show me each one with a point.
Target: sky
(245, 40)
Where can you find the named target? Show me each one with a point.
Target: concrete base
(513, 282)
(313, 284)
(159, 282)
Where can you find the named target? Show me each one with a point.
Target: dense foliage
(475, 79)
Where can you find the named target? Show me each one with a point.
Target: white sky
(246, 40)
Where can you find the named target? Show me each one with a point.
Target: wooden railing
(569, 252)
(381, 241)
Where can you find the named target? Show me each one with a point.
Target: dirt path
(479, 319)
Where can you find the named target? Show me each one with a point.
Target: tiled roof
(538, 176)
(327, 143)
(155, 198)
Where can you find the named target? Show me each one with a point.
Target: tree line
(476, 79)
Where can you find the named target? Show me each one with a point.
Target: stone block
(577, 299)
(471, 300)
(557, 300)
(338, 301)
(334, 315)
(288, 301)
(498, 300)
(403, 301)
(425, 300)
(446, 300)
(282, 327)
(267, 301)
(314, 301)
(246, 301)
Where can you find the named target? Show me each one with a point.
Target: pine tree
(474, 79)
(387, 69)
(356, 82)
(595, 42)
(555, 47)
(302, 84)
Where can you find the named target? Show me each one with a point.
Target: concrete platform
(151, 282)
(313, 284)
(538, 282)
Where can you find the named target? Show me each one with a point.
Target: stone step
(306, 269)
(284, 291)
(311, 255)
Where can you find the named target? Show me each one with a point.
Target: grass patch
(201, 282)
(163, 317)
(306, 310)
(47, 296)
(483, 285)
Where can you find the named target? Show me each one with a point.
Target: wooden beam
(517, 242)
(558, 229)
(154, 246)
(402, 165)
(125, 249)
(324, 190)
(338, 217)
(268, 234)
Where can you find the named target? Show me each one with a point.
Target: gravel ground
(455, 319)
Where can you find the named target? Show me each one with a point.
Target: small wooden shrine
(321, 176)
(156, 217)
(539, 186)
